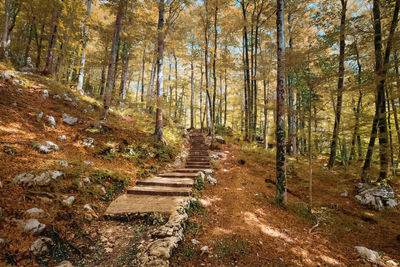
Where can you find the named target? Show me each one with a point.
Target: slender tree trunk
(292, 146)
(225, 97)
(342, 46)
(191, 91)
(124, 74)
(83, 57)
(396, 120)
(381, 67)
(212, 109)
(281, 192)
(28, 46)
(201, 99)
(160, 78)
(39, 40)
(51, 53)
(176, 86)
(143, 68)
(113, 60)
(151, 83)
(4, 38)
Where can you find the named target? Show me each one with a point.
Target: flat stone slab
(187, 170)
(178, 175)
(160, 191)
(171, 182)
(141, 204)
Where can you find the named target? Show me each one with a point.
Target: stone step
(160, 191)
(198, 167)
(188, 170)
(197, 163)
(178, 175)
(205, 159)
(170, 182)
(198, 154)
(134, 205)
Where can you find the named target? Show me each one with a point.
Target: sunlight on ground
(219, 231)
(252, 220)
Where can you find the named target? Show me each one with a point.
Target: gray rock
(88, 142)
(15, 104)
(214, 156)
(86, 162)
(51, 121)
(39, 116)
(85, 110)
(51, 145)
(86, 180)
(45, 94)
(204, 249)
(69, 201)
(63, 163)
(69, 119)
(56, 97)
(208, 171)
(2, 242)
(28, 179)
(220, 139)
(1, 184)
(41, 246)
(19, 90)
(33, 226)
(34, 211)
(369, 255)
(195, 242)
(75, 104)
(376, 196)
(67, 98)
(344, 194)
(47, 147)
(63, 137)
(211, 180)
(64, 264)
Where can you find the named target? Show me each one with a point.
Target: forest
(199, 133)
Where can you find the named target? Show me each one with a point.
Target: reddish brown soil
(241, 208)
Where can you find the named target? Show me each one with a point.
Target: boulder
(63, 163)
(220, 139)
(63, 137)
(47, 147)
(51, 121)
(369, 255)
(65, 264)
(69, 119)
(211, 180)
(19, 90)
(67, 98)
(45, 94)
(195, 242)
(208, 171)
(39, 116)
(29, 179)
(33, 226)
(56, 97)
(86, 162)
(376, 196)
(35, 212)
(41, 246)
(69, 201)
(88, 142)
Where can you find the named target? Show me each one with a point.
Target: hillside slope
(58, 170)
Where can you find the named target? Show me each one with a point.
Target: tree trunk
(160, 78)
(124, 74)
(191, 91)
(381, 67)
(39, 40)
(292, 146)
(338, 112)
(225, 97)
(201, 99)
(212, 109)
(51, 53)
(112, 61)
(143, 67)
(83, 57)
(4, 38)
(281, 192)
(28, 46)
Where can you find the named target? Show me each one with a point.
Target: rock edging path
(167, 194)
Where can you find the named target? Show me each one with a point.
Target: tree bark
(143, 67)
(112, 60)
(4, 38)
(160, 78)
(51, 53)
(192, 91)
(83, 57)
(338, 112)
(124, 74)
(281, 192)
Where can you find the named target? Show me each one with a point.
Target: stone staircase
(165, 191)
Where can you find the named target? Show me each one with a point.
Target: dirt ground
(242, 225)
